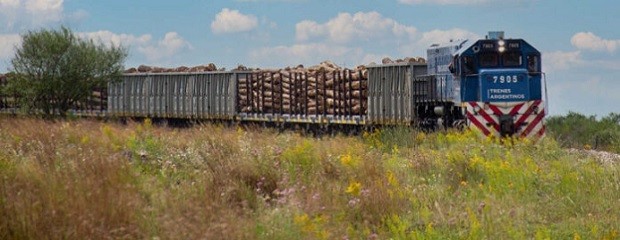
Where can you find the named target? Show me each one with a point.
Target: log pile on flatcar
(325, 88)
(150, 69)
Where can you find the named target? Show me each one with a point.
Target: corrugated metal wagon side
(391, 97)
(209, 95)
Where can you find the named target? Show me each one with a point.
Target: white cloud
(257, 1)
(490, 3)
(580, 57)
(9, 42)
(442, 2)
(559, 60)
(302, 53)
(417, 47)
(51, 9)
(7, 48)
(359, 26)
(304, 30)
(30, 12)
(107, 37)
(231, 21)
(167, 47)
(9, 3)
(463, 2)
(358, 38)
(271, 24)
(592, 42)
(443, 36)
(171, 44)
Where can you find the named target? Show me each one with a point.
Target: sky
(579, 40)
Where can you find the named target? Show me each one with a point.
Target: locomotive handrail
(546, 95)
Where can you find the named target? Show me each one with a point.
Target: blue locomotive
(499, 83)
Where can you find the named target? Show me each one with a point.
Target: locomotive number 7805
(505, 79)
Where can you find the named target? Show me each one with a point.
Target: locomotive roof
(469, 44)
(459, 42)
(465, 46)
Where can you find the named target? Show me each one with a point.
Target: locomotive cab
(501, 87)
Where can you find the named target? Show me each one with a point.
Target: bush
(578, 131)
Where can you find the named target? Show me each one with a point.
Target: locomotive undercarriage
(440, 115)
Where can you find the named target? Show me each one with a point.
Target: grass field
(86, 179)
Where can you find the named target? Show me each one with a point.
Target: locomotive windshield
(489, 59)
(512, 59)
(509, 59)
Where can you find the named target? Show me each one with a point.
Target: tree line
(579, 131)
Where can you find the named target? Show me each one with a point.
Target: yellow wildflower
(346, 160)
(354, 188)
(392, 180)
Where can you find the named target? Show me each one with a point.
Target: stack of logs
(149, 69)
(404, 60)
(322, 89)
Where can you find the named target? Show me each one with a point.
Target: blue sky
(580, 40)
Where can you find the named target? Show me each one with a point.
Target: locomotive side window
(512, 59)
(489, 59)
(532, 63)
(468, 65)
(452, 66)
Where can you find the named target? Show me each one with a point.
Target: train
(494, 86)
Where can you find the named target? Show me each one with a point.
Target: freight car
(492, 85)
(379, 95)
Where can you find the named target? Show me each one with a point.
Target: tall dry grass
(95, 180)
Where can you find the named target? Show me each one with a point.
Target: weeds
(83, 179)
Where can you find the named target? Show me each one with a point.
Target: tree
(55, 69)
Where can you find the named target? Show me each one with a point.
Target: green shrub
(579, 131)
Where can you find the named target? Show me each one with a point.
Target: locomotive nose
(507, 125)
